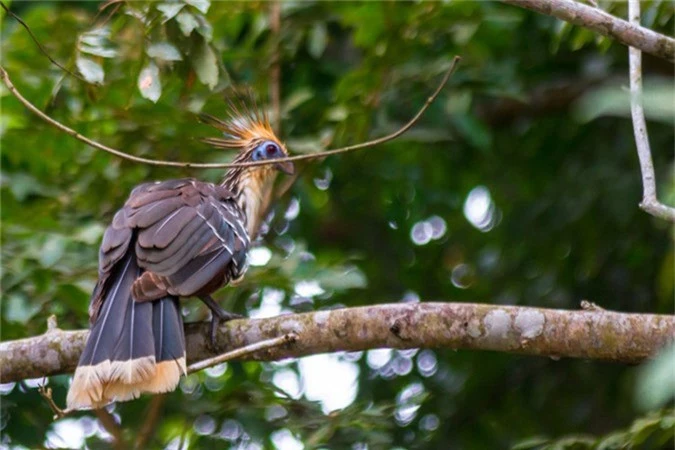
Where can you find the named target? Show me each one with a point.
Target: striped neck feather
(252, 187)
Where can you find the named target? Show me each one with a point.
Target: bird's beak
(286, 167)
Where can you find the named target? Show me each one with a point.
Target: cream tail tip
(98, 385)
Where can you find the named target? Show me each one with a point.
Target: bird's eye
(267, 150)
(271, 149)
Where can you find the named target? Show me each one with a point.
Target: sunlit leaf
(164, 51)
(656, 383)
(90, 234)
(18, 309)
(351, 278)
(99, 51)
(187, 22)
(317, 40)
(201, 5)
(658, 100)
(149, 83)
(96, 42)
(205, 64)
(90, 70)
(204, 29)
(295, 99)
(531, 443)
(169, 10)
(52, 250)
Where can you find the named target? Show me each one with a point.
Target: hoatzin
(171, 239)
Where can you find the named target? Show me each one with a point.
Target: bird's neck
(252, 191)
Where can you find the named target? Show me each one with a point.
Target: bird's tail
(133, 347)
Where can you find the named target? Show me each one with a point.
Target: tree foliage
(519, 186)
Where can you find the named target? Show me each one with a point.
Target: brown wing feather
(190, 236)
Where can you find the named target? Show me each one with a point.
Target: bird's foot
(218, 316)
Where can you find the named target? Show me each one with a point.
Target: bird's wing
(190, 236)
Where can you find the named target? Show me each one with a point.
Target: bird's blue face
(267, 150)
(272, 150)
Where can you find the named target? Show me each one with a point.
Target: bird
(173, 239)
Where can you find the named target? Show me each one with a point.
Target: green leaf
(204, 28)
(90, 70)
(24, 185)
(530, 443)
(201, 5)
(656, 383)
(186, 22)
(336, 279)
(52, 250)
(318, 39)
(96, 42)
(295, 99)
(658, 100)
(99, 51)
(90, 234)
(18, 309)
(205, 64)
(149, 83)
(164, 51)
(475, 131)
(169, 10)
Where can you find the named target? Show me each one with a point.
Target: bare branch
(156, 162)
(595, 19)
(595, 334)
(46, 393)
(242, 352)
(650, 203)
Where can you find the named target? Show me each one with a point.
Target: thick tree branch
(595, 19)
(650, 203)
(593, 334)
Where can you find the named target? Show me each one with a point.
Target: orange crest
(246, 125)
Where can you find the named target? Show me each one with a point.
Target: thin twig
(112, 427)
(155, 162)
(105, 5)
(243, 351)
(649, 203)
(152, 416)
(275, 70)
(46, 393)
(52, 324)
(42, 49)
(588, 305)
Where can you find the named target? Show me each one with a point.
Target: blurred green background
(519, 186)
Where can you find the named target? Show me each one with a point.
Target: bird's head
(247, 129)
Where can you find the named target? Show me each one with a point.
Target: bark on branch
(606, 24)
(593, 334)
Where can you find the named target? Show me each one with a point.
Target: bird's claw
(218, 316)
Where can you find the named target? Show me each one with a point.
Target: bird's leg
(218, 315)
